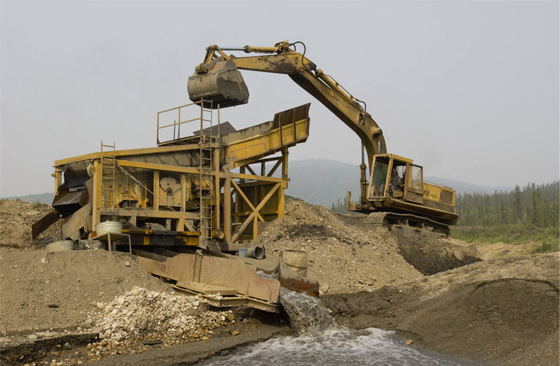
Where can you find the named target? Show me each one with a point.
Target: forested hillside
(533, 204)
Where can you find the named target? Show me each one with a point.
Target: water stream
(321, 342)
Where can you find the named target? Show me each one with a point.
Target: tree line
(533, 204)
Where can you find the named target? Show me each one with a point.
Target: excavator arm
(218, 79)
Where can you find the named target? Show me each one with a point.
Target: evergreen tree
(517, 204)
(535, 204)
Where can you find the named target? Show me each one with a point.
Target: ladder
(206, 172)
(108, 170)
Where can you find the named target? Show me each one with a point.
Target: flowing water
(322, 342)
(308, 315)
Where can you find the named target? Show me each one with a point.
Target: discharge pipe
(257, 252)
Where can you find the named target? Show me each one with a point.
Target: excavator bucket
(222, 84)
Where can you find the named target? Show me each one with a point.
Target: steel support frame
(227, 184)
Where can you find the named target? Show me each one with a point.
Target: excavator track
(408, 222)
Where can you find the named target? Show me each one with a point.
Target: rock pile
(152, 317)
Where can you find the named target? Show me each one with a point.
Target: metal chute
(222, 84)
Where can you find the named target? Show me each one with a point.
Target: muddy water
(322, 342)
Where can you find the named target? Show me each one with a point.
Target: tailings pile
(347, 253)
(153, 317)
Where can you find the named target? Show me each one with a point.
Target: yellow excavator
(396, 195)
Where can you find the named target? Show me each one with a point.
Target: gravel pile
(154, 317)
(342, 257)
(16, 219)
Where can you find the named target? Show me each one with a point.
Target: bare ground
(503, 311)
(499, 250)
(16, 218)
(347, 254)
(435, 292)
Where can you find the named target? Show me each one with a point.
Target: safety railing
(195, 114)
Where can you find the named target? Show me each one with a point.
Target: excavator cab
(395, 177)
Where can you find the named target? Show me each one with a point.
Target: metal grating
(447, 197)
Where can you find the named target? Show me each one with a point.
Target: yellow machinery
(207, 190)
(414, 204)
(211, 189)
(190, 203)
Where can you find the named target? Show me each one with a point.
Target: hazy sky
(469, 90)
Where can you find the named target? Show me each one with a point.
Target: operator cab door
(379, 177)
(414, 183)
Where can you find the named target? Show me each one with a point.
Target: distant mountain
(32, 198)
(322, 182)
(462, 188)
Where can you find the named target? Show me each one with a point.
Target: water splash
(322, 342)
(308, 314)
(335, 347)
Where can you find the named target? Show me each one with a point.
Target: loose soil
(436, 292)
(346, 253)
(56, 291)
(502, 311)
(16, 218)
(499, 250)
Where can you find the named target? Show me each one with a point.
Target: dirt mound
(341, 258)
(499, 311)
(16, 219)
(348, 254)
(46, 291)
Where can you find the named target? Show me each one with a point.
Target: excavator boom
(218, 79)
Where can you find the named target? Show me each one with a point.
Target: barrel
(296, 260)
